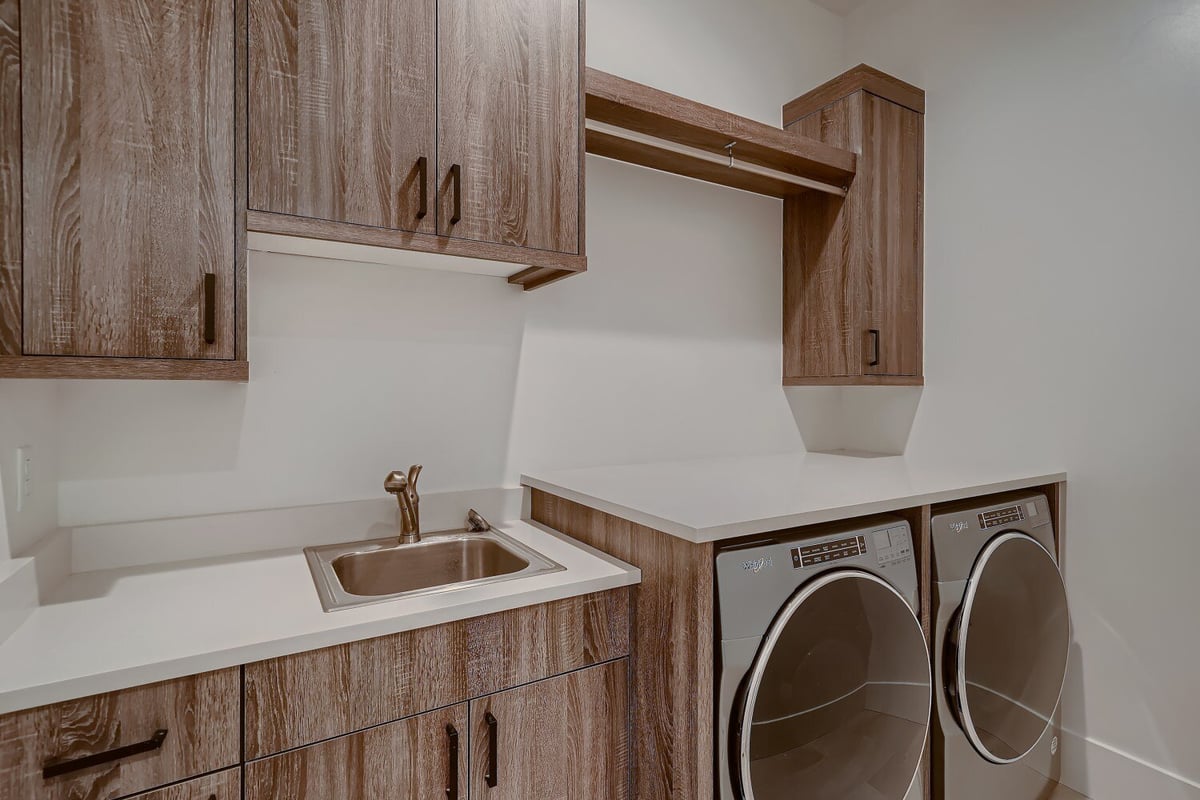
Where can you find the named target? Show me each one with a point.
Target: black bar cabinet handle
(492, 776)
(210, 308)
(452, 779)
(874, 348)
(456, 179)
(423, 171)
(55, 768)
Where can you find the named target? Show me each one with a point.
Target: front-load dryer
(1001, 639)
(823, 670)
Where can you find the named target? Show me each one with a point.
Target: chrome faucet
(404, 487)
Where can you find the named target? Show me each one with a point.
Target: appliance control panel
(1001, 516)
(824, 552)
(893, 545)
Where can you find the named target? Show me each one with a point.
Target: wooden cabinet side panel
(823, 282)
(672, 654)
(128, 116)
(893, 159)
(307, 697)
(406, 760)
(509, 104)
(343, 98)
(10, 178)
(566, 737)
(200, 713)
(225, 785)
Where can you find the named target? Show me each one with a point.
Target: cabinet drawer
(92, 745)
(225, 785)
(307, 697)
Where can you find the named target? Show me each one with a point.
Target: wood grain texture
(634, 106)
(201, 714)
(10, 177)
(128, 138)
(863, 78)
(304, 698)
(566, 738)
(378, 237)
(672, 657)
(857, 380)
(343, 94)
(509, 114)
(854, 265)
(142, 369)
(405, 760)
(225, 785)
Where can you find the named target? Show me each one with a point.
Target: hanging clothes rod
(726, 159)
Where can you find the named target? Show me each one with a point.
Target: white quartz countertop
(708, 500)
(113, 629)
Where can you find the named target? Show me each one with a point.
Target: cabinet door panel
(565, 738)
(405, 760)
(128, 136)
(10, 179)
(893, 156)
(509, 115)
(342, 98)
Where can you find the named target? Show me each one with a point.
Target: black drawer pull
(54, 769)
(874, 348)
(423, 173)
(456, 179)
(210, 308)
(492, 776)
(452, 780)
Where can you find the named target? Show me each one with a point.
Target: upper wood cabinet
(566, 737)
(132, 257)
(853, 266)
(449, 127)
(342, 125)
(509, 120)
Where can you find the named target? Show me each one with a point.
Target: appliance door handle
(874, 348)
(452, 773)
(492, 776)
(456, 181)
(423, 176)
(210, 308)
(55, 767)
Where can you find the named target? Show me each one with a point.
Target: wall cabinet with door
(853, 266)
(449, 127)
(120, 235)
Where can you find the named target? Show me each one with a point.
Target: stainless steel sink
(359, 573)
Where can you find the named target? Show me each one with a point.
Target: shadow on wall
(869, 420)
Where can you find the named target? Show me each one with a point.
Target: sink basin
(358, 573)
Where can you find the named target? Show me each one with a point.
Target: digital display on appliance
(828, 551)
(1001, 516)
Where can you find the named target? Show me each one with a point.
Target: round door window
(1010, 648)
(836, 704)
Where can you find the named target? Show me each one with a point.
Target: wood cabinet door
(509, 153)
(128, 115)
(342, 110)
(225, 785)
(417, 758)
(565, 738)
(893, 155)
(10, 179)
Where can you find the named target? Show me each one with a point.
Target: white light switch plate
(24, 476)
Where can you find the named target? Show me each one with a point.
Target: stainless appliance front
(825, 682)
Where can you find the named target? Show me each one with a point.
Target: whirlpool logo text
(757, 565)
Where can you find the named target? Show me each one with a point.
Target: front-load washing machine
(1001, 639)
(823, 670)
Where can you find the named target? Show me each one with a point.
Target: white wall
(1063, 193)
(28, 416)
(669, 346)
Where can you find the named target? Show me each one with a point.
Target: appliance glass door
(1009, 648)
(836, 704)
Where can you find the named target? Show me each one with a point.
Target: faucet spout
(404, 487)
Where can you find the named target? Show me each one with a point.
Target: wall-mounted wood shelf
(631, 122)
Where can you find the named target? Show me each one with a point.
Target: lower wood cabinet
(414, 759)
(225, 785)
(566, 738)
